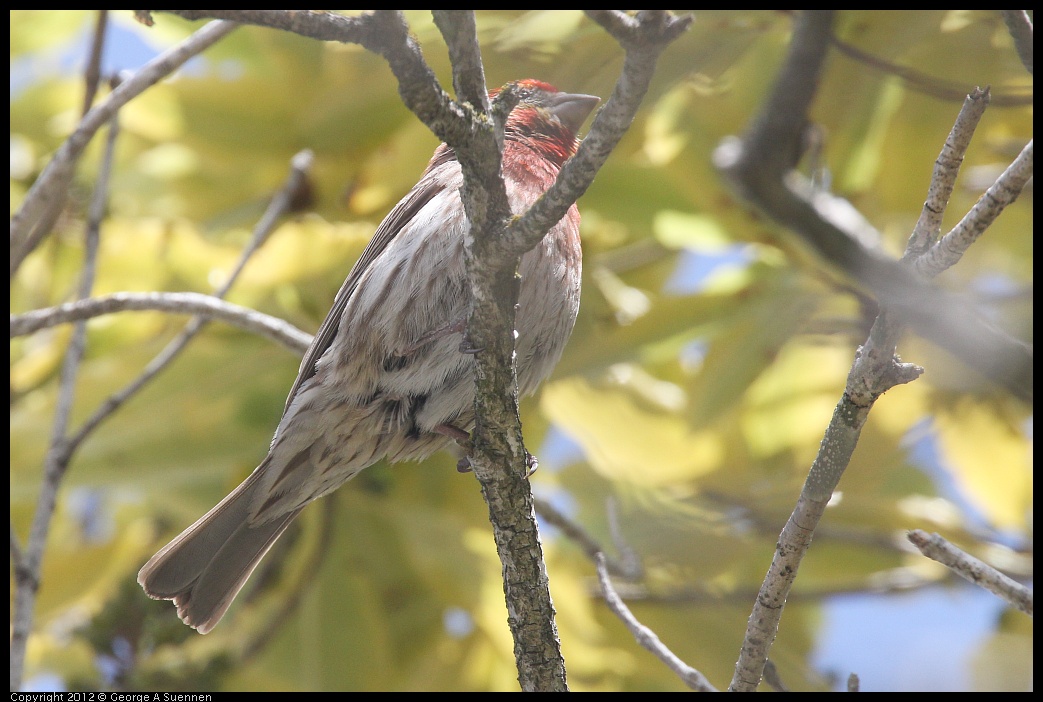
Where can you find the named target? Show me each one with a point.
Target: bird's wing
(395, 222)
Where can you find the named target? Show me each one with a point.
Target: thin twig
(646, 637)
(1020, 27)
(946, 168)
(51, 186)
(929, 85)
(762, 168)
(582, 538)
(56, 461)
(286, 200)
(970, 568)
(894, 581)
(629, 559)
(92, 73)
(208, 306)
(460, 32)
(644, 37)
(282, 203)
(91, 78)
(1000, 194)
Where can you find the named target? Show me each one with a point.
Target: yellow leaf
(625, 439)
(990, 461)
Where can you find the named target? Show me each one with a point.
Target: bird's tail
(203, 569)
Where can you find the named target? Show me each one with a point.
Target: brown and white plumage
(385, 376)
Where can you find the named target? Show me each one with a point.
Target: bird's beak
(572, 109)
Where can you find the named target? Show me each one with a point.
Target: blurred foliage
(709, 353)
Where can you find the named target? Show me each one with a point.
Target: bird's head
(547, 118)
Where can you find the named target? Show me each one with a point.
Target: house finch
(388, 374)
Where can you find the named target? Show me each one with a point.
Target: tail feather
(203, 569)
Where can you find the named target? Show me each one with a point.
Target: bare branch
(946, 168)
(930, 85)
(1000, 194)
(294, 191)
(1020, 27)
(761, 169)
(773, 678)
(56, 462)
(383, 32)
(208, 306)
(51, 186)
(896, 580)
(92, 73)
(53, 209)
(461, 37)
(646, 637)
(622, 567)
(498, 454)
(326, 26)
(644, 37)
(970, 568)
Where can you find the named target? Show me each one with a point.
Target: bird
(389, 374)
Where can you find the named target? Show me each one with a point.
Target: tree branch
(56, 462)
(1020, 27)
(646, 637)
(970, 568)
(498, 456)
(761, 168)
(294, 191)
(1000, 194)
(937, 88)
(946, 168)
(208, 306)
(52, 185)
(460, 32)
(628, 565)
(492, 251)
(644, 37)
(92, 73)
